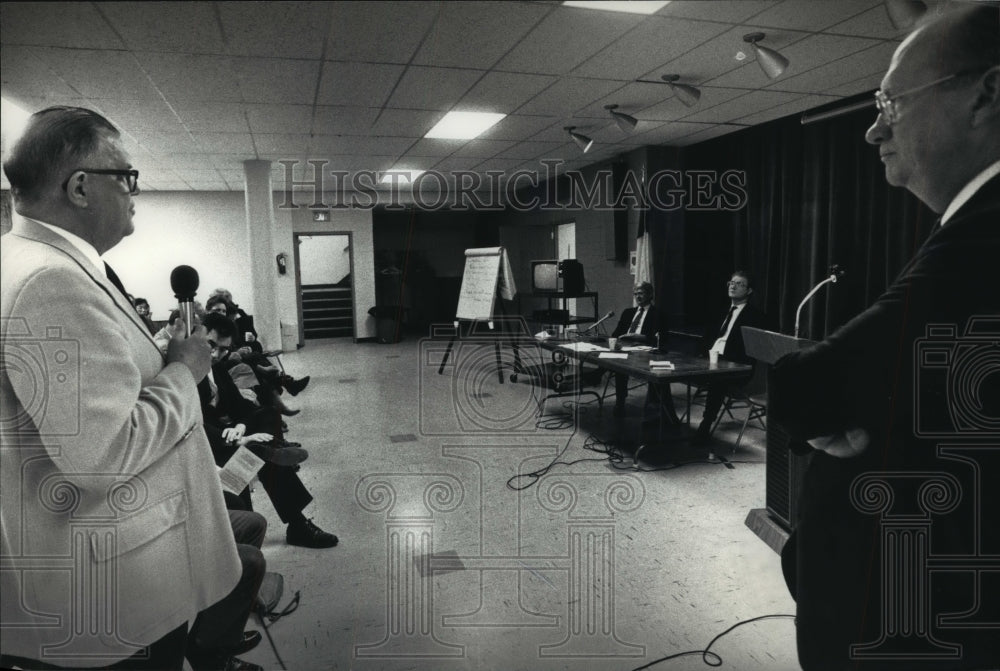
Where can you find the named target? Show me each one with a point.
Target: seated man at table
(637, 326)
(727, 341)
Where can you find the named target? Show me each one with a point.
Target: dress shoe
(288, 412)
(308, 535)
(250, 640)
(290, 443)
(280, 456)
(294, 386)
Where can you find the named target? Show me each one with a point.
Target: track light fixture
(582, 141)
(688, 95)
(771, 62)
(626, 122)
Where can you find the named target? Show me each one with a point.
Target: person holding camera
(882, 494)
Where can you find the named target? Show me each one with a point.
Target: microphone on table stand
(836, 272)
(184, 281)
(599, 322)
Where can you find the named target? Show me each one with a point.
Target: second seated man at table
(728, 342)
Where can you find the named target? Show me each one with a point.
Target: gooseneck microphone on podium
(184, 282)
(836, 272)
(599, 322)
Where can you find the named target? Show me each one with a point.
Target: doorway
(325, 280)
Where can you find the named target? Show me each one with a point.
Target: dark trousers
(220, 626)
(713, 403)
(164, 654)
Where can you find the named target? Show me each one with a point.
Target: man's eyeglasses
(736, 283)
(132, 177)
(887, 104)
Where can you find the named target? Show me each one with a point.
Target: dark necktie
(729, 318)
(635, 321)
(113, 277)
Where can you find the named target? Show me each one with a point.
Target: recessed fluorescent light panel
(405, 176)
(464, 125)
(627, 6)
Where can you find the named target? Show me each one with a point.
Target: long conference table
(688, 369)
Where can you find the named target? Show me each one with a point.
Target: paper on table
(661, 364)
(583, 347)
(241, 468)
(612, 355)
(637, 348)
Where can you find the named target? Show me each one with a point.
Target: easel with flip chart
(486, 277)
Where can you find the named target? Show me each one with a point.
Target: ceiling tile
(280, 118)
(432, 88)
(853, 87)
(400, 27)
(529, 150)
(727, 11)
(630, 99)
(455, 163)
(75, 25)
(165, 143)
(208, 116)
(27, 71)
(223, 143)
(707, 134)
(810, 15)
(504, 92)
(519, 126)
(405, 122)
(656, 41)
(435, 147)
(673, 108)
(286, 144)
(466, 35)
(820, 80)
(565, 39)
(568, 95)
(277, 80)
(752, 102)
(364, 84)
(192, 77)
(343, 120)
(483, 148)
(121, 76)
(158, 26)
(280, 29)
(153, 115)
(873, 23)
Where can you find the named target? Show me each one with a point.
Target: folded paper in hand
(241, 468)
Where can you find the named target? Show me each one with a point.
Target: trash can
(289, 337)
(388, 323)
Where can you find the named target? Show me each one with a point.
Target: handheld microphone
(836, 272)
(600, 321)
(184, 281)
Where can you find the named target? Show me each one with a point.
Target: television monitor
(545, 276)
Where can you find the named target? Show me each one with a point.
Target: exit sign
(321, 216)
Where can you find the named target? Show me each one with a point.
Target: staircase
(327, 311)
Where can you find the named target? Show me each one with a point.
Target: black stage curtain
(817, 195)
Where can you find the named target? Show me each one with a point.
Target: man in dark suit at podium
(727, 341)
(896, 404)
(636, 326)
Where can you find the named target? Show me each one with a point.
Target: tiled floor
(441, 565)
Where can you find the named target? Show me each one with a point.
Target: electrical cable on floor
(707, 656)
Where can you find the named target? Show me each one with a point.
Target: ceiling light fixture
(464, 125)
(582, 141)
(405, 176)
(626, 6)
(626, 122)
(904, 13)
(688, 95)
(771, 62)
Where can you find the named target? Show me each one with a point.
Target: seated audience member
(228, 418)
(638, 326)
(217, 635)
(727, 340)
(162, 336)
(246, 347)
(142, 307)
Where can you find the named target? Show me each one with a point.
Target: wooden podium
(784, 469)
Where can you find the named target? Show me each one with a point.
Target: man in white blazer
(113, 530)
